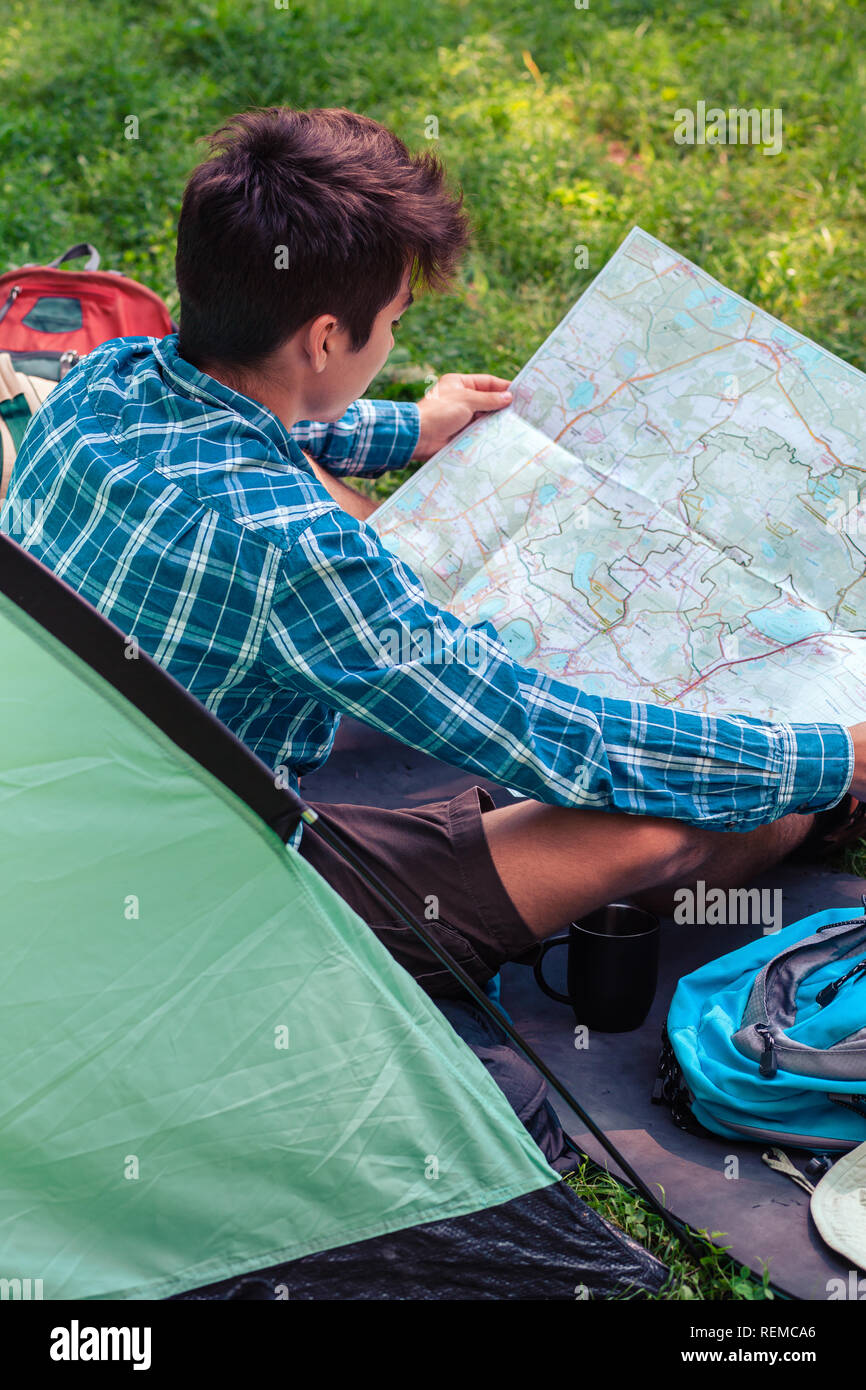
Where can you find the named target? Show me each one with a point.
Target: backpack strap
(778, 1159)
(20, 398)
(83, 248)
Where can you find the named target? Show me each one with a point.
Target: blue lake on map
(518, 638)
(583, 568)
(725, 313)
(473, 585)
(698, 297)
(789, 624)
(491, 606)
(808, 354)
(581, 395)
(725, 308)
(594, 685)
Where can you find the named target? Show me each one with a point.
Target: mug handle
(538, 968)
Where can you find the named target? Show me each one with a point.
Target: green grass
(558, 124)
(713, 1276)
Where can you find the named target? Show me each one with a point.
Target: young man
(176, 497)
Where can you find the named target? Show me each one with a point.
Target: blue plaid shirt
(189, 516)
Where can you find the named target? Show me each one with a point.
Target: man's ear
(327, 325)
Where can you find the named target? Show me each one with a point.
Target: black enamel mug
(613, 956)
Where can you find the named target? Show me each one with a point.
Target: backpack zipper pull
(769, 1065)
(829, 992)
(13, 295)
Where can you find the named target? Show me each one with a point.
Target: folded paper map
(672, 510)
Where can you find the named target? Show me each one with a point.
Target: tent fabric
(211, 1065)
(515, 1076)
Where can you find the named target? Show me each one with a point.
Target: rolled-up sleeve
(372, 436)
(350, 626)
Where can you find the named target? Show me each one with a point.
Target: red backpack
(49, 318)
(45, 310)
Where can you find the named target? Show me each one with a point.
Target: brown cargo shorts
(435, 860)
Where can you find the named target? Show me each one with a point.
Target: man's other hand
(454, 402)
(858, 738)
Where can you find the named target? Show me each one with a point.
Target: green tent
(210, 1065)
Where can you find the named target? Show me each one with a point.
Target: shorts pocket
(434, 977)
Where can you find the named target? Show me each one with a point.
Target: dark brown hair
(333, 197)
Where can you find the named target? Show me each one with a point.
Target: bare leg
(557, 863)
(734, 860)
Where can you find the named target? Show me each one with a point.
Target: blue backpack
(769, 1041)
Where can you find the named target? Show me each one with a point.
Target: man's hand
(454, 402)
